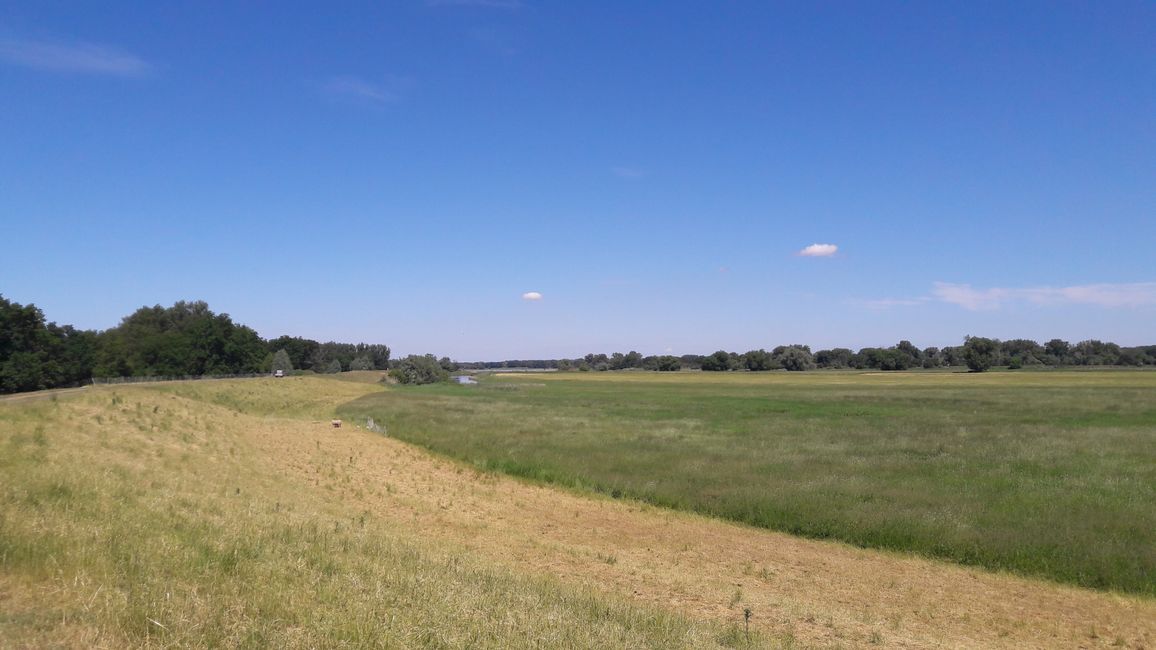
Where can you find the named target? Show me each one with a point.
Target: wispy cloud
(628, 172)
(493, 39)
(484, 4)
(819, 250)
(618, 282)
(1108, 296)
(1137, 294)
(77, 57)
(887, 303)
(532, 296)
(353, 88)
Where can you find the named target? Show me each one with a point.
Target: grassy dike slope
(229, 514)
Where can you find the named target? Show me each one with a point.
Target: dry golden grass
(207, 440)
(157, 516)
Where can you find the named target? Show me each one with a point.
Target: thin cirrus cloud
(532, 296)
(887, 303)
(819, 250)
(356, 89)
(484, 4)
(628, 172)
(1128, 295)
(77, 57)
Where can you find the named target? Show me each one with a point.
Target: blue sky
(404, 173)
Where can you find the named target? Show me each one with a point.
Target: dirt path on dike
(41, 394)
(820, 593)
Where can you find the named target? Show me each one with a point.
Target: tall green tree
(282, 362)
(908, 349)
(834, 358)
(980, 353)
(717, 362)
(1057, 352)
(759, 360)
(35, 354)
(794, 357)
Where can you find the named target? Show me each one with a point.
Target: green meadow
(1050, 474)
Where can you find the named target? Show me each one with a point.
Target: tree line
(976, 353)
(186, 339)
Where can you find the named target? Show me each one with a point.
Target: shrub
(416, 369)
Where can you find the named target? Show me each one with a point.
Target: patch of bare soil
(821, 593)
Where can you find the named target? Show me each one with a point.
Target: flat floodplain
(1050, 474)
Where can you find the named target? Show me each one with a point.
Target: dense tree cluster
(187, 339)
(35, 354)
(307, 354)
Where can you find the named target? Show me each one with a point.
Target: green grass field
(1050, 474)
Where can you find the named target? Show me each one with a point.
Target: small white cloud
(85, 58)
(1137, 294)
(819, 250)
(531, 296)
